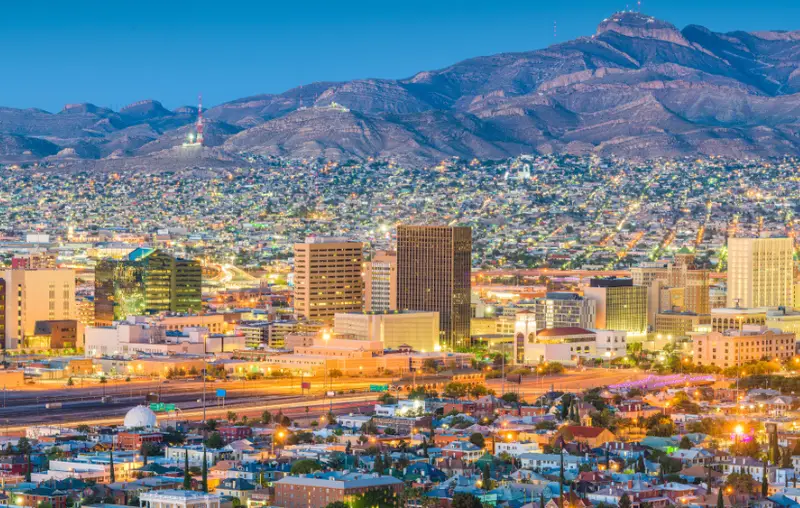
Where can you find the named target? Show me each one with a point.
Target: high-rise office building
(692, 280)
(36, 295)
(564, 310)
(760, 272)
(327, 278)
(433, 274)
(620, 305)
(148, 281)
(380, 282)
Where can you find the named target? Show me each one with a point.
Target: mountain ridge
(638, 87)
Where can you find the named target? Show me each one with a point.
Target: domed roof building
(140, 416)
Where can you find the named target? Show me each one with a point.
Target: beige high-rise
(37, 295)
(380, 282)
(433, 274)
(760, 272)
(327, 278)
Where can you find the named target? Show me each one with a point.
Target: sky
(115, 52)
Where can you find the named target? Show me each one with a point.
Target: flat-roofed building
(737, 347)
(733, 319)
(760, 272)
(620, 305)
(417, 329)
(36, 295)
(327, 278)
(574, 345)
(320, 490)
(434, 265)
(174, 498)
(679, 324)
(380, 282)
(563, 310)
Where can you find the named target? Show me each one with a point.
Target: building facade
(760, 272)
(380, 282)
(148, 281)
(620, 305)
(562, 310)
(318, 492)
(36, 295)
(734, 347)
(417, 329)
(327, 278)
(433, 274)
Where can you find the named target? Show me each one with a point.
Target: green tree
(486, 477)
(215, 441)
(464, 500)
(112, 477)
(205, 472)
(305, 466)
(187, 479)
(266, 417)
(477, 439)
(337, 504)
(764, 482)
(624, 501)
(720, 499)
(686, 443)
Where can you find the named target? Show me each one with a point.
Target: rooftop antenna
(199, 140)
(555, 30)
(639, 5)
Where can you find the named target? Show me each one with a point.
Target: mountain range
(639, 87)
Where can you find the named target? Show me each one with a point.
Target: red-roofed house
(592, 436)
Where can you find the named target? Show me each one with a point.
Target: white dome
(140, 416)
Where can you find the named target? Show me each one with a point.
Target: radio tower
(555, 32)
(199, 139)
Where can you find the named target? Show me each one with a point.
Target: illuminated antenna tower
(199, 139)
(555, 31)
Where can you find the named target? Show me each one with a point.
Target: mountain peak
(636, 24)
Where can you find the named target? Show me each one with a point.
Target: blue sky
(115, 52)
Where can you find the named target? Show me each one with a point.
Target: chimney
(630, 484)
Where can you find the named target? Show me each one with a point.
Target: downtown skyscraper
(433, 274)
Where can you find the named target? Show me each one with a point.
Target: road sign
(222, 393)
(379, 388)
(306, 385)
(331, 394)
(160, 407)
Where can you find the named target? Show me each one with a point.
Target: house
(236, 487)
(692, 457)
(543, 461)
(463, 450)
(626, 451)
(592, 436)
(41, 495)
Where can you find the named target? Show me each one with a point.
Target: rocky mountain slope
(638, 87)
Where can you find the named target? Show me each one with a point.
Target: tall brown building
(433, 274)
(695, 282)
(327, 278)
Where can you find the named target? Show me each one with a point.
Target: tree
(477, 439)
(83, 428)
(266, 417)
(686, 443)
(720, 499)
(624, 501)
(378, 466)
(231, 416)
(486, 477)
(464, 500)
(640, 466)
(205, 472)
(305, 466)
(215, 441)
(187, 479)
(335, 373)
(112, 477)
(764, 482)
(337, 504)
